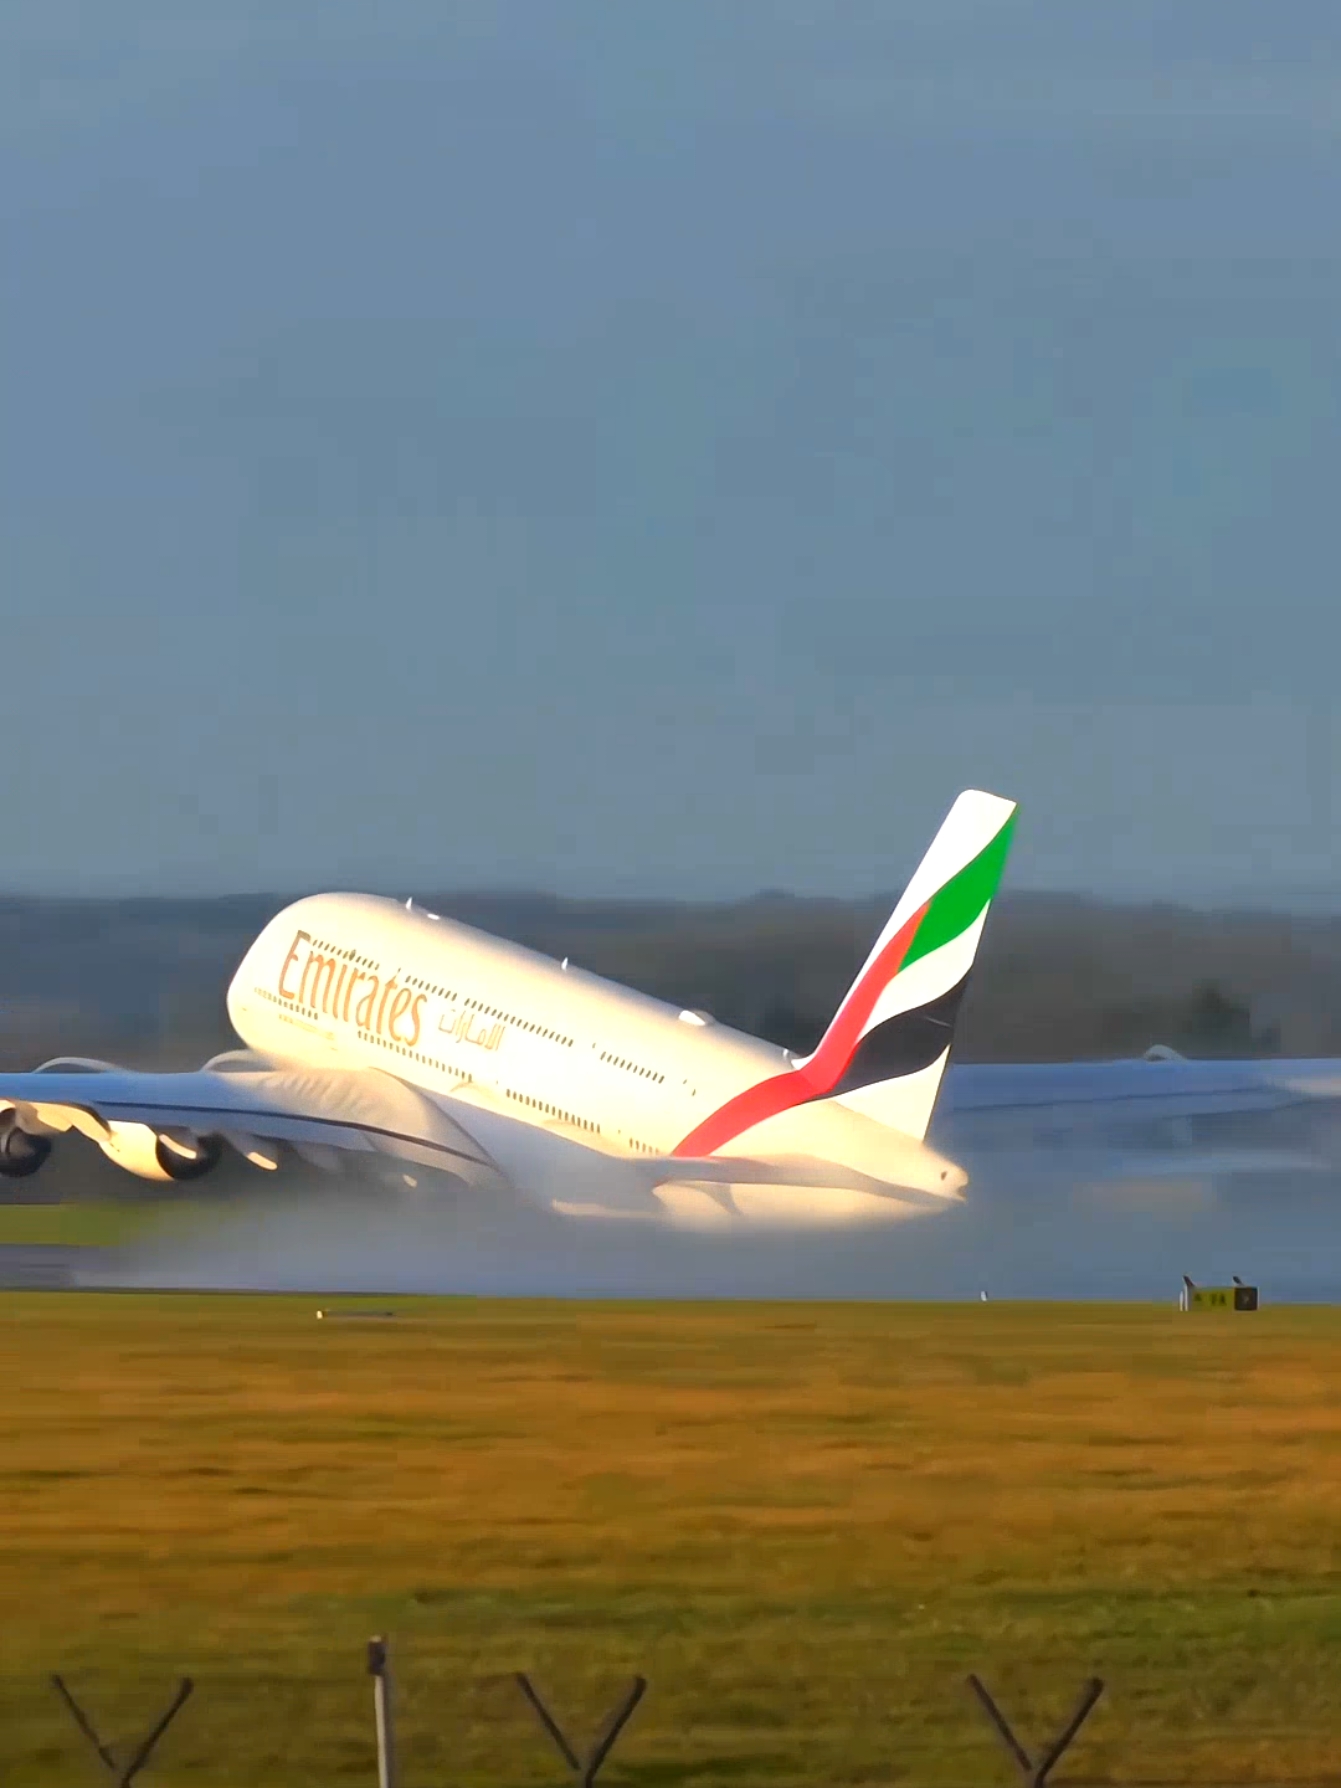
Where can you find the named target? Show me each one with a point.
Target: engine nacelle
(21, 1154)
(162, 1156)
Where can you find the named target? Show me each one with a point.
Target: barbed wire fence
(122, 1764)
(1035, 1771)
(123, 1773)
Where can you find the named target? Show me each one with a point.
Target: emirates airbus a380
(378, 1029)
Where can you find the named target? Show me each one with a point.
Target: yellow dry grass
(804, 1524)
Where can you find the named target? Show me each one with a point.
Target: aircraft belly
(559, 1171)
(828, 1131)
(697, 1204)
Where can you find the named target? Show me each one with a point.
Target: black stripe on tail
(904, 1044)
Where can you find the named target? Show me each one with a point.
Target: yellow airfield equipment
(1237, 1296)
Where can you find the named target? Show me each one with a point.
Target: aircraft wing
(1225, 1116)
(314, 1110)
(1167, 1087)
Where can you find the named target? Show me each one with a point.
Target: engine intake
(183, 1158)
(21, 1153)
(160, 1155)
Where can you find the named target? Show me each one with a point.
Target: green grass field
(96, 1223)
(804, 1524)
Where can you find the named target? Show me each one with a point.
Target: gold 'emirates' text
(335, 987)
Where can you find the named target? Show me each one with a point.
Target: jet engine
(21, 1153)
(161, 1154)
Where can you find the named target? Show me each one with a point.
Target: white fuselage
(356, 981)
(352, 980)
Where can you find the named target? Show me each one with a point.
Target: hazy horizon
(1303, 905)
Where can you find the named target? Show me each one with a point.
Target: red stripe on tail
(824, 1069)
(826, 1066)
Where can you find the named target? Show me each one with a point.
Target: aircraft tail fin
(886, 1050)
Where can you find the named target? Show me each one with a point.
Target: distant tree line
(1057, 978)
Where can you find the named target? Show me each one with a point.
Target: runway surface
(1017, 1235)
(24, 1267)
(1010, 1240)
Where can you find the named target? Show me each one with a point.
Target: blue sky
(654, 448)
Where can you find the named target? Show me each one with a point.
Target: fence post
(379, 1668)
